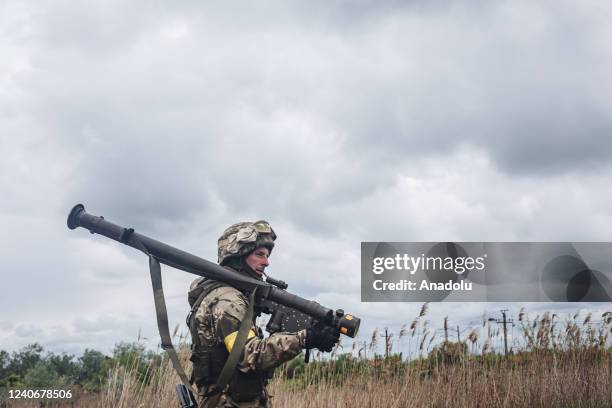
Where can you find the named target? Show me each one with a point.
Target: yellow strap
(231, 338)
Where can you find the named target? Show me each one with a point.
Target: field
(554, 363)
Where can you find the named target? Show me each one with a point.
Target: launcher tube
(187, 262)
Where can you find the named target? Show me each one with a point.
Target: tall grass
(554, 362)
(551, 363)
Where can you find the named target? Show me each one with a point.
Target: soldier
(217, 311)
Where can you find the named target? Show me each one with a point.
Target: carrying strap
(232, 360)
(162, 319)
(166, 340)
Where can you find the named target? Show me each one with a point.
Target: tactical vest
(208, 361)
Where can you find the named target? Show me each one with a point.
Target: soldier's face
(258, 260)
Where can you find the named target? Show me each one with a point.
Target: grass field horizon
(559, 362)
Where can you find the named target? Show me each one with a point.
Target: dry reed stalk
(576, 372)
(424, 309)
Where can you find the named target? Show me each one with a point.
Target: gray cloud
(338, 123)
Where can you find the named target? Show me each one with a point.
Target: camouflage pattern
(219, 315)
(244, 237)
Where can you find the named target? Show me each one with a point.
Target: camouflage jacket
(217, 320)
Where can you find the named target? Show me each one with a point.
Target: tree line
(34, 368)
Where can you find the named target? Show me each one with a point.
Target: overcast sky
(338, 122)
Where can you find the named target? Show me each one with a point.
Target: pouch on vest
(207, 364)
(202, 374)
(246, 386)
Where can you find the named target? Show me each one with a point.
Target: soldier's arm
(264, 354)
(259, 354)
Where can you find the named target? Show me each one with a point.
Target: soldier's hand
(321, 336)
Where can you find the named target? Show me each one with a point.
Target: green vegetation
(552, 362)
(33, 368)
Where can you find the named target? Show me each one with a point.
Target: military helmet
(243, 238)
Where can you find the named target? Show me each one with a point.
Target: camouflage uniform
(217, 320)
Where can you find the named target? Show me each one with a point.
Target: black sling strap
(166, 340)
(162, 319)
(241, 338)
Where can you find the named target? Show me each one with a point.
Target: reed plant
(553, 362)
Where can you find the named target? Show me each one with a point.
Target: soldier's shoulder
(227, 302)
(226, 293)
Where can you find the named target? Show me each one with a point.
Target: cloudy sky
(338, 122)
